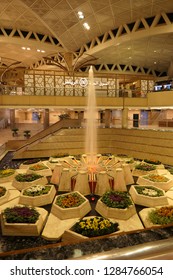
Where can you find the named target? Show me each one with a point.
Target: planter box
(144, 217)
(73, 212)
(5, 197)
(138, 172)
(38, 200)
(24, 229)
(162, 185)
(116, 213)
(43, 172)
(23, 185)
(26, 166)
(7, 178)
(145, 200)
(70, 235)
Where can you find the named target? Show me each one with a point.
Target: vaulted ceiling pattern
(128, 33)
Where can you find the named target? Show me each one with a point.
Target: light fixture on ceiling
(26, 48)
(42, 51)
(80, 15)
(155, 62)
(86, 25)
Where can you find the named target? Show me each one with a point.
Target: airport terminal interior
(86, 129)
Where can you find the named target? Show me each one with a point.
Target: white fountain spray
(91, 122)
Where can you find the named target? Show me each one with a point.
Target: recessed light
(86, 25)
(80, 15)
(155, 62)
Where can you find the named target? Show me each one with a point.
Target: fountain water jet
(91, 125)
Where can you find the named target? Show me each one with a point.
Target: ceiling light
(130, 57)
(42, 51)
(129, 48)
(38, 50)
(80, 15)
(155, 62)
(26, 48)
(86, 25)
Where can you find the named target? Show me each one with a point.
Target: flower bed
(27, 163)
(90, 227)
(114, 204)
(23, 181)
(41, 169)
(143, 169)
(160, 181)
(148, 196)
(21, 221)
(6, 175)
(37, 195)
(162, 215)
(70, 205)
(4, 195)
(156, 163)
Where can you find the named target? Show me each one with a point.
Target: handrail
(159, 249)
(66, 123)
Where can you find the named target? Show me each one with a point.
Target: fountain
(91, 126)
(93, 174)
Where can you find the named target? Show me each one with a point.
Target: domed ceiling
(111, 34)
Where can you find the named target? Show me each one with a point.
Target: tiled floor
(6, 133)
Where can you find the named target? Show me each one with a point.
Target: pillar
(46, 118)
(107, 117)
(125, 118)
(12, 118)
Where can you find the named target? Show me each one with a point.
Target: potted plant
(4, 195)
(160, 181)
(15, 131)
(27, 133)
(70, 205)
(148, 196)
(37, 195)
(22, 220)
(116, 204)
(40, 168)
(90, 227)
(25, 180)
(7, 175)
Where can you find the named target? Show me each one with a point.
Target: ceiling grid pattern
(58, 19)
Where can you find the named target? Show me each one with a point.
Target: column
(107, 117)
(46, 118)
(12, 118)
(125, 118)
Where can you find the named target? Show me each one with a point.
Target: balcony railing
(61, 91)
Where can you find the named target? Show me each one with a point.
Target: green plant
(149, 191)
(145, 167)
(117, 199)
(2, 191)
(21, 214)
(156, 162)
(69, 200)
(96, 226)
(37, 190)
(6, 172)
(27, 177)
(161, 216)
(156, 178)
(31, 161)
(38, 166)
(60, 155)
